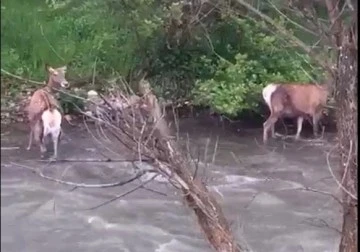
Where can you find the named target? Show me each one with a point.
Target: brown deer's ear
(62, 69)
(49, 69)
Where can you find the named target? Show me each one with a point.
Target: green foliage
(261, 59)
(105, 36)
(71, 104)
(223, 65)
(176, 69)
(104, 32)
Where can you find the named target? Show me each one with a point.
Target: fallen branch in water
(123, 194)
(321, 192)
(320, 223)
(10, 148)
(95, 160)
(84, 185)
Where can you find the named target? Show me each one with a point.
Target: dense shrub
(260, 59)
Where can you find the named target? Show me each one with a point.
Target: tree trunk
(346, 100)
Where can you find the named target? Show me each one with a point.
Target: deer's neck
(49, 86)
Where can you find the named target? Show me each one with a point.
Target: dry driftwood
(143, 129)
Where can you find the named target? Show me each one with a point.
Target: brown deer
(43, 100)
(294, 100)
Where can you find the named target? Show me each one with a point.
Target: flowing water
(261, 190)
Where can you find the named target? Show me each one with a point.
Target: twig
(123, 194)
(334, 177)
(139, 141)
(238, 161)
(94, 73)
(197, 164)
(48, 42)
(83, 185)
(347, 162)
(291, 21)
(205, 159)
(176, 122)
(97, 140)
(100, 132)
(10, 148)
(21, 78)
(264, 147)
(309, 189)
(154, 191)
(282, 30)
(94, 160)
(252, 199)
(206, 149)
(190, 156)
(215, 149)
(320, 224)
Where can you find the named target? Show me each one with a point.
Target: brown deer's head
(57, 77)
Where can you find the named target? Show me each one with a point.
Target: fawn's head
(57, 77)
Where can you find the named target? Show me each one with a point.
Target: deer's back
(307, 98)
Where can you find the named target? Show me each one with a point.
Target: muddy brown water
(258, 187)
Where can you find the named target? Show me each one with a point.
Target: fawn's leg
(55, 139)
(39, 137)
(300, 121)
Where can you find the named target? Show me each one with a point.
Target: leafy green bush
(176, 69)
(104, 37)
(81, 34)
(262, 59)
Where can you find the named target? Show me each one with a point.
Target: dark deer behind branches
(294, 101)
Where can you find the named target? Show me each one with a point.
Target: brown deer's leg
(39, 137)
(273, 131)
(31, 135)
(300, 121)
(55, 144)
(315, 121)
(42, 147)
(68, 120)
(269, 124)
